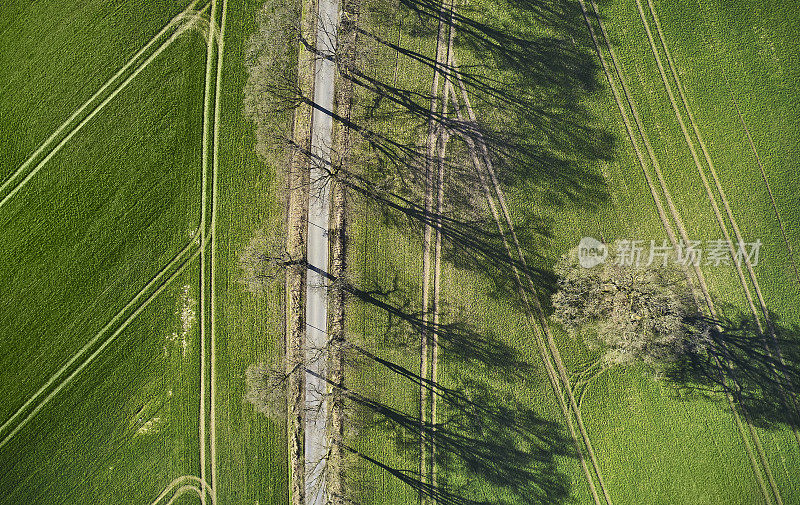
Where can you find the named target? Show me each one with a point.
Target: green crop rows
(126, 329)
(654, 443)
(110, 330)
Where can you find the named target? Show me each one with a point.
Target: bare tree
(636, 313)
(266, 390)
(263, 261)
(271, 59)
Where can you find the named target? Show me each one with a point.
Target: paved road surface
(316, 290)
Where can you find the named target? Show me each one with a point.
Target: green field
(133, 177)
(128, 190)
(654, 443)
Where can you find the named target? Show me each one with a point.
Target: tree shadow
(487, 451)
(529, 69)
(529, 72)
(461, 341)
(490, 445)
(759, 370)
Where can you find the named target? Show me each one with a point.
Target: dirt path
(444, 138)
(210, 168)
(431, 159)
(206, 162)
(673, 211)
(72, 130)
(214, 194)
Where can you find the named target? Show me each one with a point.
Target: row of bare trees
(529, 69)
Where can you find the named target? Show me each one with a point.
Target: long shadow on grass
(490, 445)
(761, 371)
(528, 68)
(528, 71)
(489, 449)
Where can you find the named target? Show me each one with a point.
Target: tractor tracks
(436, 144)
(671, 232)
(135, 306)
(479, 154)
(198, 246)
(764, 313)
(180, 24)
(183, 485)
(548, 350)
(775, 352)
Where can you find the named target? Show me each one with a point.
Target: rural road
(317, 243)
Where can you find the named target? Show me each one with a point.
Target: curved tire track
(199, 248)
(202, 491)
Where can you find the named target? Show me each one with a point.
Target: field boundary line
(203, 237)
(667, 226)
(214, 180)
(718, 215)
(99, 108)
(174, 21)
(551, 373)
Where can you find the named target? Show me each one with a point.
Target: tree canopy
(636, 313)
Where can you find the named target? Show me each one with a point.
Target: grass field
(125, 427)
(84, 236)
(751, 208)
(126, 326)
(131, 183)
(653, 443)
(252, 447)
